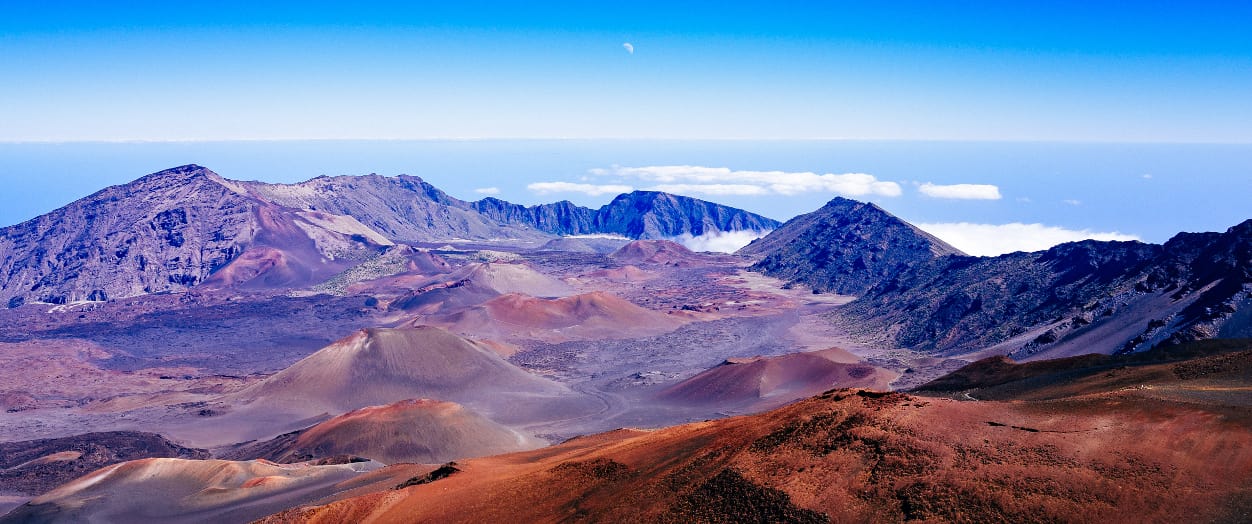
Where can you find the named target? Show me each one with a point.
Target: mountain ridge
(1077, 297)
(187, 226)
(638, 214)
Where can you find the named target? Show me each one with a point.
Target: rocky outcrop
(166, 231)
(845, 247)
(170, 231)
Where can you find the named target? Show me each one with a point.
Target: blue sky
(1106, 119)
(1080, 71)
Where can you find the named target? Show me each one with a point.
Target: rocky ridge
(1080, 297)
(187, 226)
(640, 214)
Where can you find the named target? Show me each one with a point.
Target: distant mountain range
(188, 226)
(640, 214)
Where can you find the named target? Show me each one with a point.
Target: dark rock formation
(1094, 296)
(845, 247)
(37, 466)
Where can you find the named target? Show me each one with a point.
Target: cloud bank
(725, 181)
(721, 242)
(961, 191)
(712, 189)
(544, 188)
(998, 239)
(488, 190)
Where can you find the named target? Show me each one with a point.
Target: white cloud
(767, 182)
(1147, 176)
(711, 189)
(611, 236)
(488, 190)
(997, 239)
(720, 242)
(544, 188)
(1072, 202)
(629, 47)
(961, 191)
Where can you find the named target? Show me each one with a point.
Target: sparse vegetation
(440, 473)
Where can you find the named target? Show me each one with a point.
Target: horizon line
(140, 141)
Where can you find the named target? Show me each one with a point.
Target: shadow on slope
(421, 431)
(1206, 371)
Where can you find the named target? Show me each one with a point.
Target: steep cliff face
(641, 215)
(653, 215)
(560, 218)
(845, 247)
(1080, 297)
(166, 231)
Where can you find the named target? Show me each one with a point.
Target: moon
(629, 47)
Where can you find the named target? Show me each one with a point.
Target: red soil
(854, 456)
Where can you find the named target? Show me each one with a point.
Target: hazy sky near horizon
(1074, 71)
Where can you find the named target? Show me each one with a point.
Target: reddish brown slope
(662, 252)
(178, 490)
(421, 431)
(379, 366)
(862, 457)
(762, 382)
(474, 284)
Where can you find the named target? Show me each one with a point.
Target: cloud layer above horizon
(726, 181)
(998, 239)
(961, 191)
(545, 188)
(723, 181)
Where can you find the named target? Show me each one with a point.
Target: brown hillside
(860, 456)
(421, 431)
